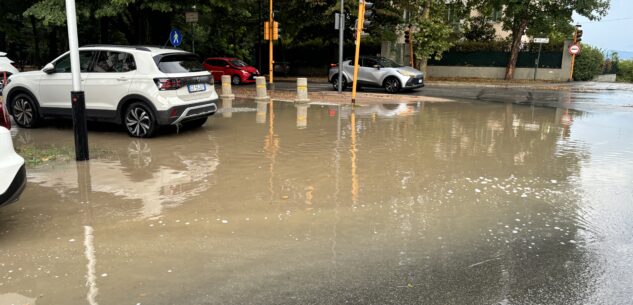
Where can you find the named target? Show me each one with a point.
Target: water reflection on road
(272, 203)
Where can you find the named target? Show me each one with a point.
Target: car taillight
(168, 83)
(333, 65)
(5, 121)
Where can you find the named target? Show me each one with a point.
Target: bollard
(226, 87)
(260, 83)
(302, 91)
(262, 110)
(302, 115)
(227, 107)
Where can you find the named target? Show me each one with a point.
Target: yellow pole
(573, 57)
(359, 30)
(270, 43)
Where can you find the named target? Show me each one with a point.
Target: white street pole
(73, 43)
(77, 97)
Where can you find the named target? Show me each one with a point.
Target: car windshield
(180, 63)
(238, 63)
(388, 63)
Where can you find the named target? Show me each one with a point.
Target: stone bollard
(227, 107)
(226, 87)
(302, 91)
(302, 115)
(260, 84)
(262, 110)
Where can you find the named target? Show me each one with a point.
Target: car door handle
(122, 79)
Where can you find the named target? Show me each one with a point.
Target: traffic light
(369, 14)
(276, 30)
(578, 36)
(407, 36)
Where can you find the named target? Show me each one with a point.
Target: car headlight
(406, 73)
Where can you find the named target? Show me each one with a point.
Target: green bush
(588, 64)
(625, 71)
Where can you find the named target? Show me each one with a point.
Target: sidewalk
(460, 82)
(336, 98)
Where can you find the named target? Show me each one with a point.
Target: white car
(13, 178)
(140, 87)
(6, 68)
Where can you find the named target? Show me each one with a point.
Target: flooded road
(448, 203)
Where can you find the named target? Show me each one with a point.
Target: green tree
(625, 71)
(479, 29)
(434, 27)
(539, 16)
(588, 64)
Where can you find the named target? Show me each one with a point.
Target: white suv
(13, 178)
(139, 87)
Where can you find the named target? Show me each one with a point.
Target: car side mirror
(377, 67)
(49, 68)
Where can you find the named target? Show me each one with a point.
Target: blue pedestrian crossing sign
(175, 37)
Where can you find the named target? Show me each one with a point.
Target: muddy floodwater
(447, 203)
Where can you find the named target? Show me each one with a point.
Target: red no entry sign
(574, 49)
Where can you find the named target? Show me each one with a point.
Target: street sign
(175, 37)
(574, 49)
(191, 17)
(541, 40)
(337, 21)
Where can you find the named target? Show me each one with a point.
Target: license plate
(196, 87)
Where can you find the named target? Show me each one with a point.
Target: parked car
(239, 71)
(142, 88)
(6, 69)
(378, 72)
(13, 178)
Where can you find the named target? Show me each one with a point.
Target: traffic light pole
(270, 43)
(340, 46)
(77, 97)
(359, 29)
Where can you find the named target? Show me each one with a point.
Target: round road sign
(574, 49)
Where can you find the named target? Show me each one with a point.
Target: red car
(239, 71)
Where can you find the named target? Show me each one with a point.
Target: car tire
(335, 82)
(236, 80)
(24, 110)
(392, 85)
(197, 123)
(140, 121)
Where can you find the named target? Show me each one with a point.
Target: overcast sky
(613, 32)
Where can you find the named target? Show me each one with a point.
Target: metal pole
(538, 59)
(340, 46)
(193, 40)
(270, 42)
(77, 95)
(359, 30)
(259, 37)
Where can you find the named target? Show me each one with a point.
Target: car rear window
(180, 63)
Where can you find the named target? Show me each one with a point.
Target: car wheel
(236, 80)
(140, 121)
(24, 110)
(392, 85)
(195, 123)
(335, 82)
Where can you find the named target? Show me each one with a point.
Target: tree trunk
(425, 15)
(36, 40)
(517, 34)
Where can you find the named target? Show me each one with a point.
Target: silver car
(378, 72)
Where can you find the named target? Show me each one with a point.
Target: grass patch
(37, 155)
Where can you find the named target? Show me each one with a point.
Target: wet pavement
(446, 203)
